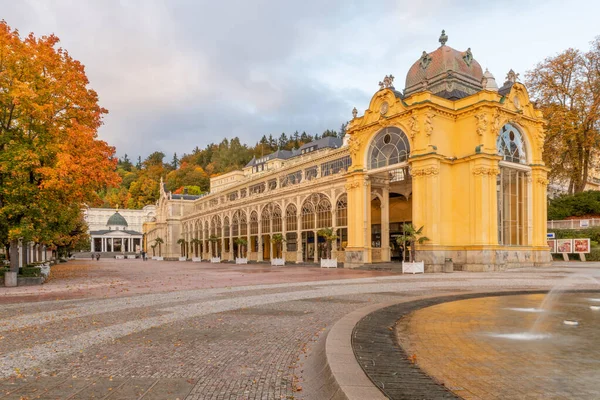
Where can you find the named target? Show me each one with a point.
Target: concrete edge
(349, 376)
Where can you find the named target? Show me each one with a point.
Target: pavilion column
(385, 224)
(334, 228)
(271, 238)
(103, 244)
(299, 250)
(316, 246)
(231, 252)
(222, 241)
(260, 241)
(284, 234)
(92, 248)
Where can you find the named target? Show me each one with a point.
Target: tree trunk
(413, 252)
(14, 255)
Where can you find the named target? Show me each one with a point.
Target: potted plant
(278, 241)
(158, 242)
(213, 239)
(181, 242)
(241, 244)
(413, 236)
(196, 243)
(330, 236)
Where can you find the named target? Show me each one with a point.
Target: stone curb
(348, 374)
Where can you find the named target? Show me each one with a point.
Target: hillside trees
(51, 161)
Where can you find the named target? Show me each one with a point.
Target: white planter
(196, 259)
(277, 262)
(329, 263)
(131, 257)
(159, 258)
(215, 260)
(45, 270)
(413, 268)
(241, 260)
(182, 259)
(10, 279)
(120, 257)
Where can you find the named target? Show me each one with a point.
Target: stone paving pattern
(168, 330)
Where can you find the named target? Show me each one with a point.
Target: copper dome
(445, 72)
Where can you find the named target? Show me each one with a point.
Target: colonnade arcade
(297, 221)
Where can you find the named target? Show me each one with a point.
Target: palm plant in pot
(181, 242)
(241, 247)
(330, 236)
(278, 240)
(158, 241)
(411, 235)
(213, 239)
(196, 243)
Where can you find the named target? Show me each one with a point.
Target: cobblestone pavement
(153, 330)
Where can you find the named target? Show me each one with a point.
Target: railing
(573, 223)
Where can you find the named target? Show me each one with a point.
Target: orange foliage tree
(51, 161)
(566, 88)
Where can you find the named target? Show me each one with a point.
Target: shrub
(30, 272)
(592, 233)
(3, 270)
(575, 205)
(594, 254)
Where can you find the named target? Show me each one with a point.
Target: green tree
(159, 241)
(330, 236)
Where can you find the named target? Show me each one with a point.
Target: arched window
(266, 219)
(291, 215)
(510, 145)
(277, 222)
(342, 211)
(512, 188)
(390, 146)
(254, 223)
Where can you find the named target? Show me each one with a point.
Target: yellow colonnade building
(453, 153)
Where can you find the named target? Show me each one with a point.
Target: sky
(176, 74)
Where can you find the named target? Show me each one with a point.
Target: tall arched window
(390, 146)
(512, 188)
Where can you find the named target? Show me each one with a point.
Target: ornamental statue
(388, 82)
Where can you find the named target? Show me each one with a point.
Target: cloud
(180, 74)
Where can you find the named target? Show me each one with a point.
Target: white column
(299, 251)
(260, 244)
(316, 246)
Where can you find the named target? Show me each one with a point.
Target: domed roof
(489, 82)
(445, 72)
(117, 220)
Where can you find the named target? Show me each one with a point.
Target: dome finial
(443, 37)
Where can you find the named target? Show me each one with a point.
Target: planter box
(196, 259)
(277, 262)
(159, 258)
(215, 260)
(329, 263)
(29, 280)
(45, 270)
(182, 259)
(241, 260)
(413, 268)
(131, 257)
(120, 257)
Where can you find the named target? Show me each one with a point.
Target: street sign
(551, 235)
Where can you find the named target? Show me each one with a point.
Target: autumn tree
(566, 88)
(51, 161)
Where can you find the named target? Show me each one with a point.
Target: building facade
(453, 153)
(116, 236)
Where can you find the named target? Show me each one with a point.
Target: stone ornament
(429, 123)
(354, 112)
(424, 172)
(425, 60)
(543, 181)
(482, 123)
(388, 82)
(483, 171)
(383, 109)
(353, 145)
(413, 123)
(443, 38)
(352, 185)
(468, 57)
(512, 76)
